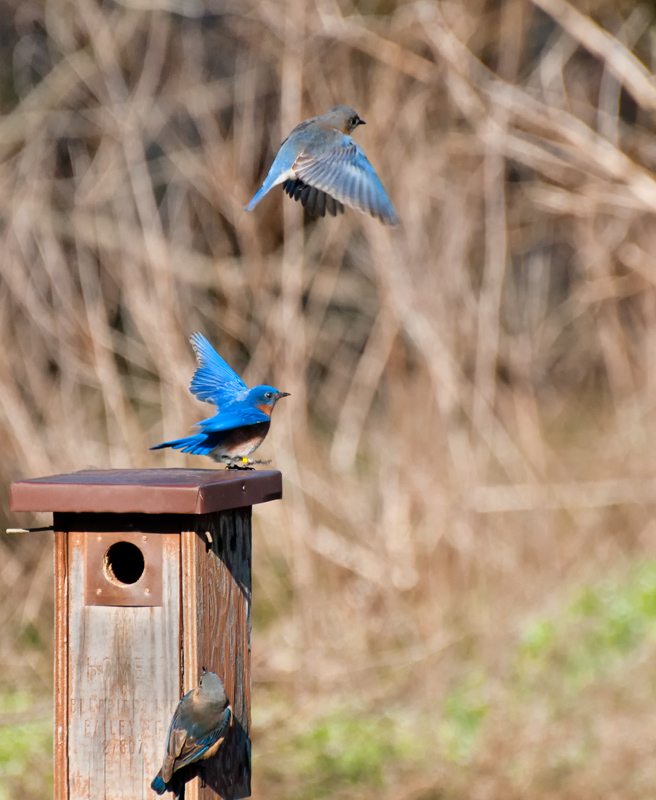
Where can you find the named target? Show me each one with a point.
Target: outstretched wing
(346, 174)
(214, 381)
(316, 201)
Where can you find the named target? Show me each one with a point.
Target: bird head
(211, 686)
(343, 118)
(265, 398)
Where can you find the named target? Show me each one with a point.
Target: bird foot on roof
(245, 463)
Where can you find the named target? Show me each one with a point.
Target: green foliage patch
(343, 750)
(604, 624)
(463, 713)
(25, 750)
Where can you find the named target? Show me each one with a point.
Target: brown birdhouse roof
(148, 491)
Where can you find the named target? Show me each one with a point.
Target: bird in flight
(322, 166)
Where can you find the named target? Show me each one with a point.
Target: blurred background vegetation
(457, 596)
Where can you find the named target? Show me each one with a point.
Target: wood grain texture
(123, 683)
(60, 738)
(216, 635)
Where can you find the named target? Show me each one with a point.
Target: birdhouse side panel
(217, 622)
(123, 682)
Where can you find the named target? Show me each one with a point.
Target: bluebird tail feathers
(158, 784)
(176, 785)
(197, 445)
(264, 189)
(281, 170)
(255, 199)
(321, 166)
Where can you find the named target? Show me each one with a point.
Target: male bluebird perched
(320, 165)
(243, 417)
(198, 727)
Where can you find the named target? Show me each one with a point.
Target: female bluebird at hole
(199, 725)
(243, 417)
(320, 165)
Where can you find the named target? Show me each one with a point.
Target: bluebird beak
(281, 394)
(361, 121)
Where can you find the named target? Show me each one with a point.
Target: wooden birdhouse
(152, 583)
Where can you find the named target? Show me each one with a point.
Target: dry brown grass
(470, 432)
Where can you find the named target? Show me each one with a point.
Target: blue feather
(234, 417)
(214, 381)
(282, 163)
(198, 445)
(346, 174)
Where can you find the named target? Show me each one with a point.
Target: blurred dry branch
(470, 431)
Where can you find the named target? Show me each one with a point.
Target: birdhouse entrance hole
(123, 563)
(122, 568)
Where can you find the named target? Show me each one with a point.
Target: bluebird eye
(268, 395)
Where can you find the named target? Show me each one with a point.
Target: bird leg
(239, 463)
(245, 463)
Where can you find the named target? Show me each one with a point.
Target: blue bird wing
(214, 381)
(313, 199)
(198, 746)
(192, 735)
(344, 172)
(232, 418)
(175, 742)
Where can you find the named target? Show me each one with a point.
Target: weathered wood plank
(124, 682)
(60, 739)
(216, 622)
